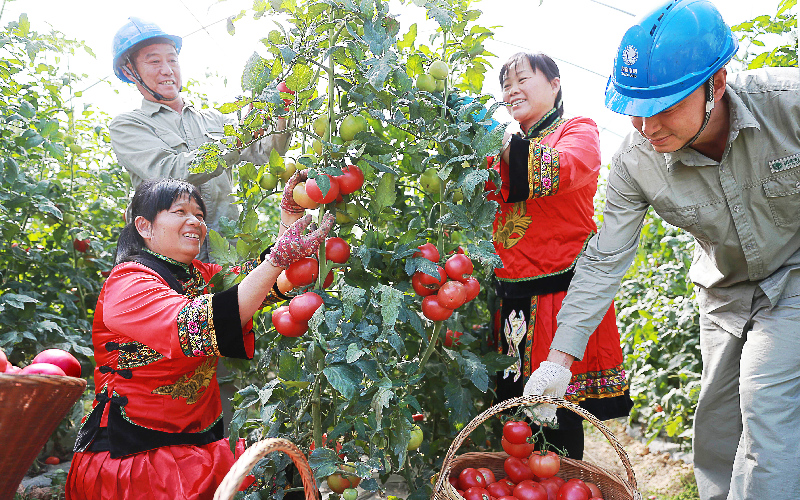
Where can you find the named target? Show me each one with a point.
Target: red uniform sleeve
(140, 305)
(565, 160)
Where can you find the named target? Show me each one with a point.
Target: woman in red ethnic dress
(156, 430)
(549, 179)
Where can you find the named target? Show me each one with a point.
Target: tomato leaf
(345, 379)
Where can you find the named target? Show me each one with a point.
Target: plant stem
(437, 328)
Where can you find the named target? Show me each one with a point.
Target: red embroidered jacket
(157, 352)
(546, 201)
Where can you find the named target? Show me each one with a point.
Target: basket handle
(233, 479)
(447, 464)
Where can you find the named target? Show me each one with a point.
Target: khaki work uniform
(744, 213)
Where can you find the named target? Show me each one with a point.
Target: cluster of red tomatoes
(530, 475)
(443, 296)
(48, 362)
(309, 195)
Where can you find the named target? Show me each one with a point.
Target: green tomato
(349, 494)
(320, 125)
(76, 149)
(339, 142)
(458, 195)
(351, 126)
(289, 169)
(426, 82)
(268, 181)
(439, 70)
(429, 181)
(416, 438)
(69, 218)
(439, 85)
(317, 147)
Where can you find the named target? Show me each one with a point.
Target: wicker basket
(31, 407)
(613, 486)
(233, 479)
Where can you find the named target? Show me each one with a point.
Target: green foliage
(783, 24)
(57, 185)
(370, 359)
(660, 332)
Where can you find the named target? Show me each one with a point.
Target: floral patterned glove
(287, 200)
(293, 245)
(550, 379)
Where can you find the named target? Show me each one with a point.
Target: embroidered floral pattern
(196, 328)
(192, 387)
(136, 354)
(512, 225)
(600, 384)
(195, 286)
(526, 372)
(544, 171)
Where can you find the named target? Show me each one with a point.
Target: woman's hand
(293, 245)
(287, 200)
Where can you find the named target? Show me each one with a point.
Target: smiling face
(529, 92)
(177, 232)
(669, 130)
(159, 69)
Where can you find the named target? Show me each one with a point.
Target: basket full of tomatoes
(33, 400)
(520, 473)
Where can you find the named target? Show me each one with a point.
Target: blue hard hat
(133, 33)
(666, 55)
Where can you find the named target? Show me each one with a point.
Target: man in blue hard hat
(161, 138)
(719, 156)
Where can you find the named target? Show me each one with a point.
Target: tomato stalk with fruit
(360, 359)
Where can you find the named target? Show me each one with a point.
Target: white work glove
(550, 379)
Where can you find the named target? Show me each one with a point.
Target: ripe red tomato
(303, 272)
(450, 338)
(552, 485)
(594, 490)
(487, 474)
(453, 481)
(470, 477)
(429, 251)
(3, 361)
(458, 267)
(476, 493)
(499, 489)
(337, 250)
(430, 282)
(546, 465)
(418, 417)
(304, 306)
(12, 370)
(517, 470)
(60, 358)
(351, 179)
(286, 325)
(517, 450)
(338, 482)
(283, 88)
(433, 311)
(452, 295)
(328, 279)
(52, 461)
(530, 490)
(81, 245)
(473, 288)
(574, 489)
(42, 369)
(315, 192)
(508, 497)
(418, 287)
(517, 432)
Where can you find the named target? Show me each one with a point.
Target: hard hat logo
(630, 55)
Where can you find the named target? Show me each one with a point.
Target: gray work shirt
(157, 141)
(744, 211)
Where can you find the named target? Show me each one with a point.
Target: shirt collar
(151, 108)
(179, 269)
(740, 118)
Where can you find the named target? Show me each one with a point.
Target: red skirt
(186, 472)
(597, 379)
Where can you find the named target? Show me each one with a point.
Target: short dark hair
(539, 62)
(151, 197)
